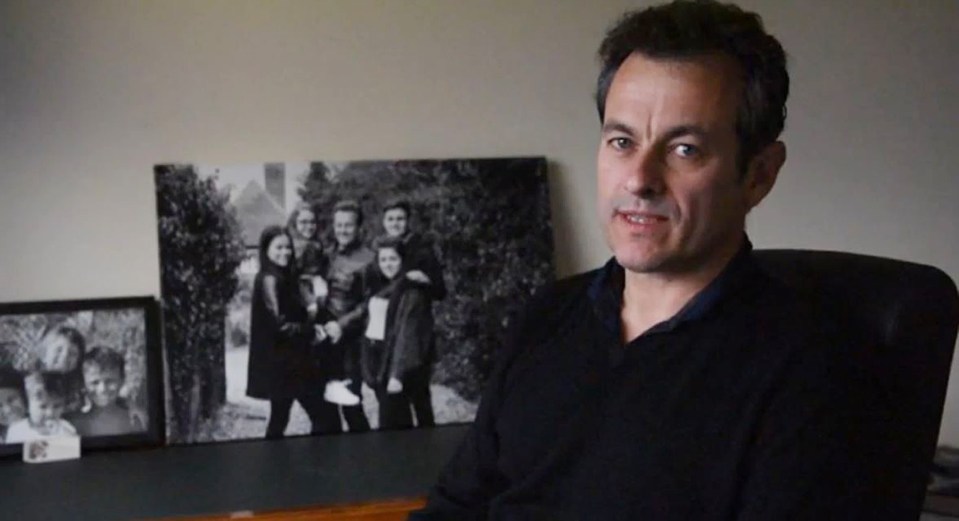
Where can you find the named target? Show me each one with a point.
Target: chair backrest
(909, 314)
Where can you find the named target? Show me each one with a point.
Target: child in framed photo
(13, 402)
(105, 412)
(46, 397)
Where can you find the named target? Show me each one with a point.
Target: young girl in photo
(46, 398)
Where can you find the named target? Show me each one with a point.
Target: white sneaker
(337, 392)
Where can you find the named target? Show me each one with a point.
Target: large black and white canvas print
(87, 368)
(328, 297)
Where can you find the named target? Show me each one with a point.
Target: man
(347, 261)
(425, 273)
(679, 381)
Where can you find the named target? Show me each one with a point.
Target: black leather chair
(908, 313)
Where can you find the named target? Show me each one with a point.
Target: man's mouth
(641, 218)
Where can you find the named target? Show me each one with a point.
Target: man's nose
(646, 176)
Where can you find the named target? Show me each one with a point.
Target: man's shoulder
(790, 303)
(804, 324)
(554, 304)
(561, 293)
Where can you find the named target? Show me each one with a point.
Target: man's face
(670, 196)
(344, 227)
(102, 384)
(394, 222)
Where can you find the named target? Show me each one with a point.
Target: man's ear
(762, 172)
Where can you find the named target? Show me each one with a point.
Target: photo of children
(81, 373)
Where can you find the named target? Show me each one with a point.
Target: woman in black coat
(284, 345)
(397, 356)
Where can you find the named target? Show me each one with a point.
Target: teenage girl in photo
(398, 344)
(282, 365)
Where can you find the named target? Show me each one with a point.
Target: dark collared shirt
(606, 293)
(740, 407)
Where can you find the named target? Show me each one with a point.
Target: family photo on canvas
(316, 298)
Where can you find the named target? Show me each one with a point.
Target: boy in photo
(106, 412)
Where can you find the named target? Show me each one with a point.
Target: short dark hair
(105, 358)
(395, 203)
(349, 205)
(388, 241)
(690, 28)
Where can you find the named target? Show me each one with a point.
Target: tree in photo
(201, 248)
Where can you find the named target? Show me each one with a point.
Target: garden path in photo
(245, 417)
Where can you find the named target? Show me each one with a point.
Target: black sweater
(747, 405)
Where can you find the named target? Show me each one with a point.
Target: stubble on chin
(640, 263)
(631, 256)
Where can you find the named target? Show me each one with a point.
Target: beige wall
(94, 92)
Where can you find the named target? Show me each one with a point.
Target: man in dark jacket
(347, 261)
(679, 381)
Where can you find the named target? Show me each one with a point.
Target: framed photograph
(86, 368)
(331, 297)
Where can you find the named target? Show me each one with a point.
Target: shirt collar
(346, 250)
(606, 293)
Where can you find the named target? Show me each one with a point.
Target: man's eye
(620, 143)
(686, 150)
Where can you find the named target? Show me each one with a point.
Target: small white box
(54, 448)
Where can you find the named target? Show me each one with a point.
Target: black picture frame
(129, 326)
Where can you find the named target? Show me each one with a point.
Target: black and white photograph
(331, 297)
(84, 368)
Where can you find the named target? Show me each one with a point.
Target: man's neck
(651, 298)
